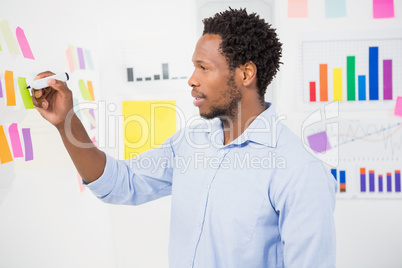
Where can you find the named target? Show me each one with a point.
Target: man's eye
(202, 67)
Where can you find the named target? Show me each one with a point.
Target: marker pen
(42, 83)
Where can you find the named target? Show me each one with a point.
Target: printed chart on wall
(369, 156)
(360, 74)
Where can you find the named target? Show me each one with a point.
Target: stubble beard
(229, 110)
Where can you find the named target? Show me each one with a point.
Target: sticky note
(319, 142)
(15, 140)
(398, 106)
(84, 90)
(26, 97)
(81, 58)
(88, 59)
(26, 133)
(70, 60)
(73, 52)
(91, 116)
(91, 90)
(9, 38)
(10, 92)
(22, 40)
(335, 8)
(1, 90)
(383, 9)
(5, 152)
(297, 8)
(147, 124)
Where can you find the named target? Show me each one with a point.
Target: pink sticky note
(26, 133)
(1, 90)
(70, 60)
(383, 9)
(15, 140)
(22, 40)
(398, 106)
(297, 8)
(319, 142)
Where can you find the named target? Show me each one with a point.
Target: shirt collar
(264, 130)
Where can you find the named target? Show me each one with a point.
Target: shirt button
(222, 151)
(208, 186)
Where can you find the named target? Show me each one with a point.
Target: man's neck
(245, 114)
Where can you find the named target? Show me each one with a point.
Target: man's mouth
(197, 101)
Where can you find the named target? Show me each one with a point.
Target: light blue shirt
(261, 201)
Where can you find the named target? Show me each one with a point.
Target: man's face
(215, 89)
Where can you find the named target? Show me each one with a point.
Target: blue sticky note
(335, 8)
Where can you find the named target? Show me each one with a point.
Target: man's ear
(249, 70)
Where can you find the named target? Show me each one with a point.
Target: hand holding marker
(42, 83)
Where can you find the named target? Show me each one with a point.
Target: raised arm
(55, 104)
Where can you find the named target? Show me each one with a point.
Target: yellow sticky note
(147, 124)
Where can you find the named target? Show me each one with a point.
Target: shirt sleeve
(305, 202)
(135, 181)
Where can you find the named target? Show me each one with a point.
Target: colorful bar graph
(371, 181)
(362, 179)
(389, 182)
(337, 83)
(312, 91)
(380, 189)
(373, 73)
(397, 181)
(351, 77)
(323, 82)
(387, 79)
(342, 180)
(362, 87)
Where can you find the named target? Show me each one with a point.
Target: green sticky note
(26, 97)
(84, 90)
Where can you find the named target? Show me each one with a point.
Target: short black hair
(247, 37)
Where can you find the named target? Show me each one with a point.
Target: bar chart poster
(362, 74)
(369, 154)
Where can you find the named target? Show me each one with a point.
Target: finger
(43, 75)
(58, 85)
(37, 93)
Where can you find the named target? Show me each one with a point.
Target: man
(250, 195)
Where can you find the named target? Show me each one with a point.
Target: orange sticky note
(91, 90)
(10, 92)
(5, 152)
